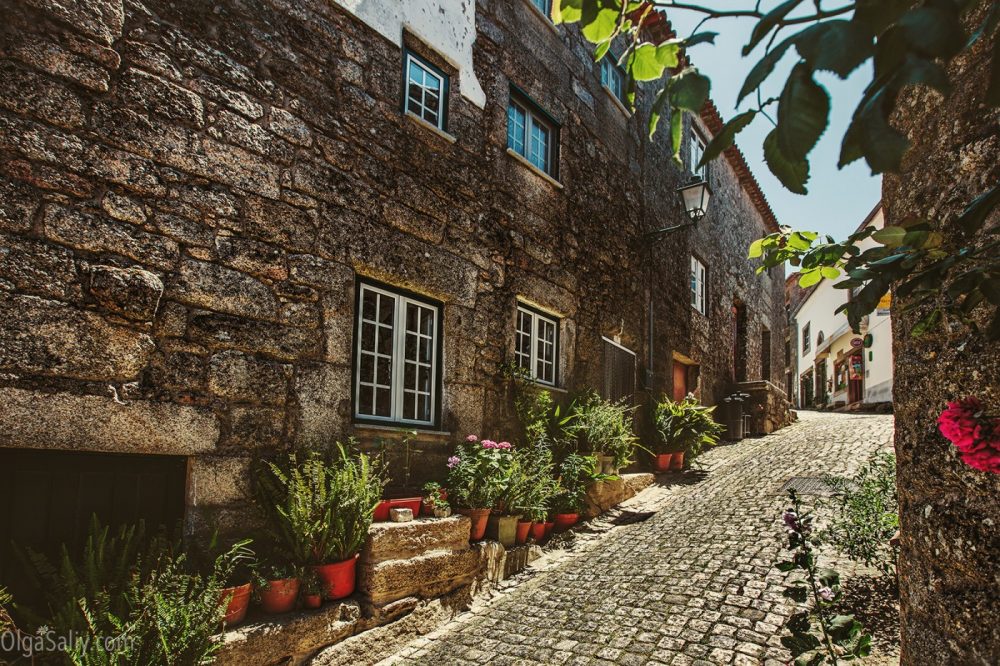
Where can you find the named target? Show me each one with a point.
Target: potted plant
(538, 517)
(575, 473)
(603, 429)
(537, 487)
(413, 503)
(312, 590)
(238, 575)
(277, 587)
(475, 476)
(684, 428)
(436, 500)
(239, 586)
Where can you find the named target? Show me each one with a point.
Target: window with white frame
(426, 94)
(536, 344)
(699, 286)
(612, 76)
(531, 135)
(696, 145)
(806, 342)
(397, 359)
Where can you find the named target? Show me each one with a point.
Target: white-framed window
(531, 135)
(613, 76)
(397, 357)
(536, 345)
(699, 286)
(696, 146)
(426, 94)
(806, 342)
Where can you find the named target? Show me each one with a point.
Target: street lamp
(694, 197)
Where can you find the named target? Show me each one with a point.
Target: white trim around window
(697, 146)
(536, 345)
(397, 357)
(425, 92)
(699, 285)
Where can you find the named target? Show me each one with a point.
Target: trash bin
(733, 417)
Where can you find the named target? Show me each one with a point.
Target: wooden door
(680, 381)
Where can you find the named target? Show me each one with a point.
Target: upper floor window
(699, 286)
(426, 91)
(612, 76)
(397, 360)
(697, 151)
(544, 6)
(536, 344)
(531, 134)
(806, 334)
(820, 338)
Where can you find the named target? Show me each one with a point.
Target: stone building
(233, 227)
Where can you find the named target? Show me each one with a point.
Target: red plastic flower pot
(479, 519)
(523, 527)
(564, 521)
(236, 599)
(549, 526)
(381, 512)
(662, 462)
(312, 600)
(411, 503)
(537, 531)
(279, 596)
(677, 460)
(337, 579)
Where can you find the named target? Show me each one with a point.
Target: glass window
(698, 286)
(536, 345)
(805, 338)
(397, 361)
(612, 76)
(544, 6)
(697, 148)
(531, 136)
(426, 91)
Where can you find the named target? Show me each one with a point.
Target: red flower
(975, 435)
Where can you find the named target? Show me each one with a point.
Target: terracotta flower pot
(236, 599)
(279, 596)
(537, 531)
(662, 461)
(523, 527)
(381, 512)
(411, 503)
(337, 579)
(479, 519)
(549, 526)
(677, 460)
(312, 600)
(564, 521)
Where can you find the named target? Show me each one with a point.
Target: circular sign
(857, 342)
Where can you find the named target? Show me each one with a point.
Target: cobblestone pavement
(693, 584)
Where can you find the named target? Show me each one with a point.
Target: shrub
(685, 426)
(478, 472)
(318, 505)
(539, 484)
(866, 514)
(595, 425)
(576, 473)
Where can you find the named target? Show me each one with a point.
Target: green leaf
(793, 174)
(726, 136)
(602, 50)
(798, 594)
(700, 38)
(926, 323)
(830, 273)
(877, 15)
(800, 643)
(676, 127)
(667, 54)
(643, 64)
(803, 113)
(883, 145)
(689, 90)
(991, 290)
(657, 110)
(809, 277)
(891, 236)
(756, 249)
(933, 31)
(759, 73)
(974, 215)
(566, 11)
(837, 46)
(768, 22)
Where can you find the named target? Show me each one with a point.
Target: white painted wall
(447, 26)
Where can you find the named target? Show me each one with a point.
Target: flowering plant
(478, 472)
(976, 436)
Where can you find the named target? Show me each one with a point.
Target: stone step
(400, 541)
(426, 576)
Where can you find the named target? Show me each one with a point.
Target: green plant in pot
(312, 589)
(239, 581)
(477, 474)
(604, 429)
(436, 500)
(576, 473)
(684, 428)
(277, 585)
(319, 506)
(538, 488)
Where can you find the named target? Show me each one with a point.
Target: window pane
(543, 6)
(365, 400)
(367, 370)
(515, 128)
(384, 376)
(538, 153)
(423, 408)
(369, 300)
(423, 92)
(522, 339)
(383, 402)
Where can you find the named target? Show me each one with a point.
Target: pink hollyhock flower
(454, 460)
(825, 593)
(975, 435)
(504, 445)
(471, 438)
(489, 444)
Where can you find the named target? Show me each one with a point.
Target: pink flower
(975, 435)
(489, 444)
(504, 445)
(453, 461)
(471, 438)
(826, 594)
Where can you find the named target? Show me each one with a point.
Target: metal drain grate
(807, 485)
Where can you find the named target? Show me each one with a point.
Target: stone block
(100, 234)
(39, 268)
(124, 208)
(42, 337)
(277, 222)
(130, 292)
(251, 256)
(222, 289)
(323, 393)
(400, 515)
(17, 204)
(388, 541)
(100, 19)
(243, 378)
(425, 576)
(52, 58)
(232, 332)
(159, 96)
(255, 428)
(219, 480)
(35, 96)
(290, 128)
(33, 419)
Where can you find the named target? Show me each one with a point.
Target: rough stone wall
(949, 513)
(190, 189)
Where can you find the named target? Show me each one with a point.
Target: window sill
(545, 19)
(618, 103)
(400, 430)
(426, 125)
(523, 160)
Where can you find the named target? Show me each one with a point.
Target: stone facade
(190, 190)
(949, 512)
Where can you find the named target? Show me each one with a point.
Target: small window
(536, 345)
(426, 94)
(699, 286)
(544, 6)
(697, 148)
(806, 334)
(531, 134)
(397, 377)
(820, 338)
(612, 76)
(619, 372)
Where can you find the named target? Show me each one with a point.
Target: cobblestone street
(693, 584)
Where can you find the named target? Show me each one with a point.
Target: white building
(832, 365)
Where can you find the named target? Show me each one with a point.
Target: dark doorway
(680, 381)
(765, 354)
(739, 341)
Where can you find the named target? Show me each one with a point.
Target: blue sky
(838, 200)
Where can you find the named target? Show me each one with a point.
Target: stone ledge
(394, 541)
(425, 576)
(603, 495)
